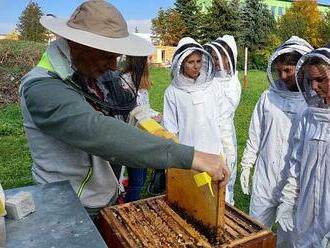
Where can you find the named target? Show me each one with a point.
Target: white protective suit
(310, 167)
(194, 109)
(275, 117)
(229, 84)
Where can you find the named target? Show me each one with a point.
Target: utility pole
(245, 84)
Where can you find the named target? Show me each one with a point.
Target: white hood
(227, 45)
(294, 44)
(311, 97)
(185, 47)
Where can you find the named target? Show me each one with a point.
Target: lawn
(15, 159)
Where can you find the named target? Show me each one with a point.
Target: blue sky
(138, 13)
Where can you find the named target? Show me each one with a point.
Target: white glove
(245, 179)
(285, 212)
(138, 114)
(284, 216)
(326, 241)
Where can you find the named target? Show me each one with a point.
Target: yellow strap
(44, 63)
(85, 181)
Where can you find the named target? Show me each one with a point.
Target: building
(276, 7)
(280, 7)
(163, 54)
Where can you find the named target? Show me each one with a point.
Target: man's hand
(212, 164)
(138, 114)
(158, 117)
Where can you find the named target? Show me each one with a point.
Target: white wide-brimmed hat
(100, 25)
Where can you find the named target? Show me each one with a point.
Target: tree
(191, 16)
(257, 24)
(325, 28)
(169, 26)
(302, 19)
(222, 17)
(12, 36)
(234, 27)
(28, 26)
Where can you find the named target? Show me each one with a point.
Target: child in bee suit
(224, 53)
(194, 109)
(275, 117)
(305, 200)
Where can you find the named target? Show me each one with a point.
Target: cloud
(6, 27)
(143, 26)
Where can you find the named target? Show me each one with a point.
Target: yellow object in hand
(149, 125)
(202, 179)
(2, 208)
(153, 127)
(2, 202)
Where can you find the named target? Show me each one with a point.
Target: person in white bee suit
(305, 200)
(275, 117)
(224, 53)
(193, 107)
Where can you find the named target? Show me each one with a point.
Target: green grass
(160, 78)
(15, 159)
(257, 83)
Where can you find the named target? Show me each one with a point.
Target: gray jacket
(69, 140)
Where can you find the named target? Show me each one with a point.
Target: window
(163, 56)
(273, 9)
(280, 11)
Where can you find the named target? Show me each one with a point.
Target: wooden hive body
(153, 223)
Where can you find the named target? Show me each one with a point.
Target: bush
(256, 61)
(16, 59)
(259, 59)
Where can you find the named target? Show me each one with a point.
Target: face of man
(92, 62)
(192, 65)
(286, 73)
(319, 77)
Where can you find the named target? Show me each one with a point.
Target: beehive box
(153, 223)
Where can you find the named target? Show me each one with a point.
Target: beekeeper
(224, 53)
(62, 105)
(193, 108)
(275, 118)
(305, 200)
